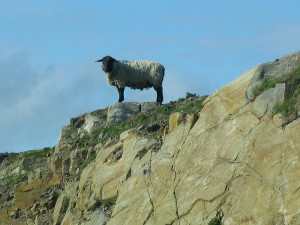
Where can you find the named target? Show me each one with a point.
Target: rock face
(233, 161)
(60, 209)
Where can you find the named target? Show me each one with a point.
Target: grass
(103, 116)
(265, 85)
(14, 179)
(8, 180)
(291, 78)
(190, 95)
(159, 115)
(11, 159)
(189, 105)
(37, 153)
(111, 131)
(55, 195)
(69, 133)
(104, 204)
(83, 141)
(285, 108)
(109, 201)
(192, 106)
(86, 162)
(32, 153)
(288, 108)
(215, 221)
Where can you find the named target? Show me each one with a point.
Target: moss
(37, 153)
(9, 180)
(265, 85)
(55, 196)
(284, 108)
(90, 159)
(159, 115)
(190, 95)
(14, 179)
(83, 141)
(111, 131)
(215, 221)
(69, 133)
(109, 201)
(291, 78)
(31, 153)
(289, 107)
(11, 159)
(103, 116)
(192, 106)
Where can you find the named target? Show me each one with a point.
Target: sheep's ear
(100, 60)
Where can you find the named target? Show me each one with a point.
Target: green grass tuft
(109, 201)
(215, 221)
(160, 115)
(291, 78)
(55, 195)
(14, 179)
(265, 85)
(290, 105)
(37, 153)
(86, 162)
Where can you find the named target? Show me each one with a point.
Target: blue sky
(48, 49)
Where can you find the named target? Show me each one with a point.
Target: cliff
(230, 158)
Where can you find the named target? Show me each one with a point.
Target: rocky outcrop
(60, 209)
(234, 161)
(26, 194)
(272, 70)
(264, 103)
(122, 111)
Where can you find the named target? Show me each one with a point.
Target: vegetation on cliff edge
(289, 107)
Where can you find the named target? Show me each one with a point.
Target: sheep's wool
(136, 74)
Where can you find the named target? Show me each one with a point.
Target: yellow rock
(278, 120)
(26, 194)
(173, 121)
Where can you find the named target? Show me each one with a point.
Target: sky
(48, 49)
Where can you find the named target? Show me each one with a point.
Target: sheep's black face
(107, 63)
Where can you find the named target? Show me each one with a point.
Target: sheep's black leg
(121, 94)
(160, 97)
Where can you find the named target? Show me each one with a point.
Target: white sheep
(133, 74)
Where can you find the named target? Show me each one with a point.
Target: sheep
(133, 74)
